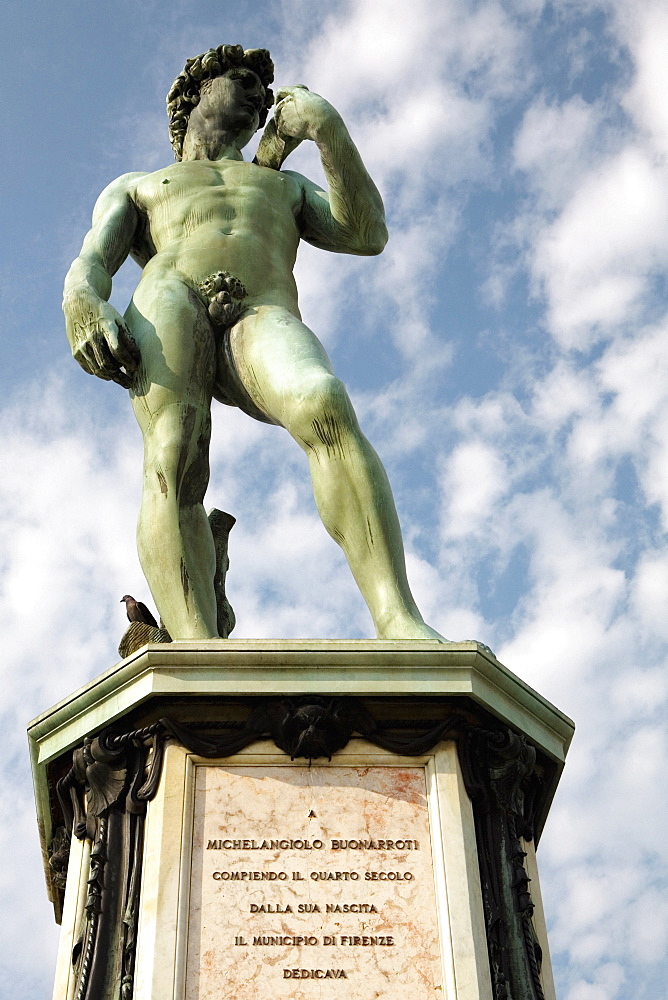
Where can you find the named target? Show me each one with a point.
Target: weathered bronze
(215, 315)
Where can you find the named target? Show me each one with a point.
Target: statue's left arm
(349, 217)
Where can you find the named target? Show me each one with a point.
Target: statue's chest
(225, 188)
(185, 182)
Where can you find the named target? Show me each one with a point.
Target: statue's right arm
(98, 336)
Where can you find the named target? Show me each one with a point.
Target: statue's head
(185, 92)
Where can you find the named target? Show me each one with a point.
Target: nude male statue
(215, 314)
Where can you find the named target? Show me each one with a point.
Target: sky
(505, 355)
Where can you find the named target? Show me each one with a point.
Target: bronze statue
(215, 315)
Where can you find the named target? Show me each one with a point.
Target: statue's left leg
(288, 375)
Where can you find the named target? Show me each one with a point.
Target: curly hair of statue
(184, 94)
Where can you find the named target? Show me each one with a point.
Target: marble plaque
(311, 882)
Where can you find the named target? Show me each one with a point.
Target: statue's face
(234, 100)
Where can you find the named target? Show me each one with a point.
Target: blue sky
(506, 355)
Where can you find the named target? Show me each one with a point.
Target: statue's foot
(405, 627)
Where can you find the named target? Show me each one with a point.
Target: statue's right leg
(171, 399)
(288, 376)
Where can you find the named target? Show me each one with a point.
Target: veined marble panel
(311, 881)
(172, 917)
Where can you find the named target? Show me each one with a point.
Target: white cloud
(564, 393)
(632, 375)
(645, 27)
(606, 985)
(594, 230)
(475, 478)
(649, 591)
(553, 144)
(595, 260)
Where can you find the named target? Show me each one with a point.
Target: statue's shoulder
(296, 177)
(119, 190)
(306, 185)
(303, 186)
(126, 182)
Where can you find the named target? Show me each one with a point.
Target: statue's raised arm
(349, 217)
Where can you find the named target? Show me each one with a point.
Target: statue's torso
(203, 216)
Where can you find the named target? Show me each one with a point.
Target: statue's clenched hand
(301, 114)
(101, 342)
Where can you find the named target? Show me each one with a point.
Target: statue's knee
(322, 414)
(161, 461)
(176, 461)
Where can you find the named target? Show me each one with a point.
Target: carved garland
(103, 798)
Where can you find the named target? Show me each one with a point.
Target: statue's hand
(101, 342)
(301, 114)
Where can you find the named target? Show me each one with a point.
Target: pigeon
(137, 611)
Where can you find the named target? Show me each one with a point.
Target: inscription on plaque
(311, 873)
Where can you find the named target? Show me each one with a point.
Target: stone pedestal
(260, 820)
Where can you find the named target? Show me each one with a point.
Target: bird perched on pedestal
(137, 611)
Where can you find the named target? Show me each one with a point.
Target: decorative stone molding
(114, 774)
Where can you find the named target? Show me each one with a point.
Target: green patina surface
(216, 315)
